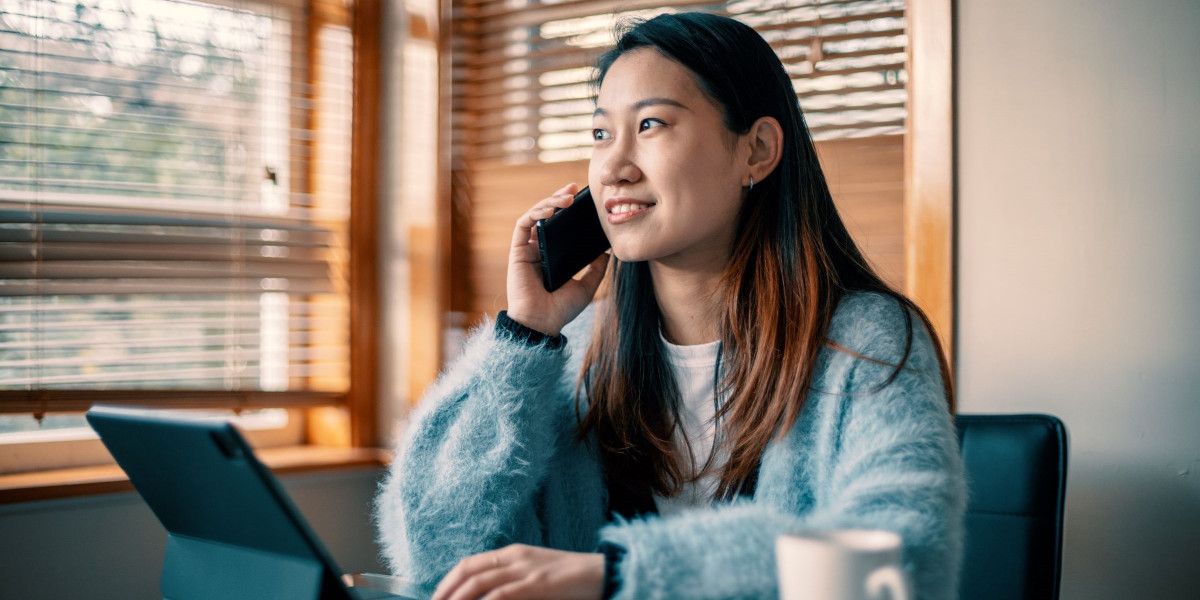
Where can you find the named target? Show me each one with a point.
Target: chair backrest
(1017, 473)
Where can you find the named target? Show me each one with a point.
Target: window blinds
(521, 68)
(174, 197)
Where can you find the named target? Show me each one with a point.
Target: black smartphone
(570, 240)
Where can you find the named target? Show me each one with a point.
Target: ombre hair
(791, 263)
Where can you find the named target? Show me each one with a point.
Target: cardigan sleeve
(888, 459)
(897, 465)
(469, 463)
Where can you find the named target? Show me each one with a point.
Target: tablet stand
(196, 569)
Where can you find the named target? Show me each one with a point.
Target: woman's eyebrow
(640, 104)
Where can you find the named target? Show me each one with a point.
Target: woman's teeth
(624, 208)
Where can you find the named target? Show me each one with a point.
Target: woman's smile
(624, 210)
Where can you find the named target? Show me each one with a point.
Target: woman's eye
(599, 134)
(648, 123)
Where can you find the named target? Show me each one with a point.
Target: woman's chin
(628, 255)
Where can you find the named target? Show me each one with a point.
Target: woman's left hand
(520, 571)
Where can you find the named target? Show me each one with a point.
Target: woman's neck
(689, 303)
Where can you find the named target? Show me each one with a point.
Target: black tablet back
(233, 532)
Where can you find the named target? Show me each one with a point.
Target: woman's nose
(619, 168)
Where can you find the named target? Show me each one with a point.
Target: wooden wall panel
(866, 177)
(500, 194)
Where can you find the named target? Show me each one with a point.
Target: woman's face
(664, 172)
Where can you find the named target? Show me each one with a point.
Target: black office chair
(1017, 474)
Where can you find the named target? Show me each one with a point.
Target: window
(174, 205)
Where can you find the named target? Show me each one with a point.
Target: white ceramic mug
(848, 564)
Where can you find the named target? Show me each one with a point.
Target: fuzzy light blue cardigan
(488, 459)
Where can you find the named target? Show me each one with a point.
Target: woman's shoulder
(879, 327)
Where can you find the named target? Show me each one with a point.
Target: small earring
(751, 184)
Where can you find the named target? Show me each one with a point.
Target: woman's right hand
(528, 301)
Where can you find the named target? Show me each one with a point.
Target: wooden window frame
(363, 395)
(929, 166)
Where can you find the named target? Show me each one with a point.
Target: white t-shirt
(695, 371)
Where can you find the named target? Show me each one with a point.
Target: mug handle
(890, 577)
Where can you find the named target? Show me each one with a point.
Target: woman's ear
(766, 149)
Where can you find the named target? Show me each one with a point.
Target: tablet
(232, 530)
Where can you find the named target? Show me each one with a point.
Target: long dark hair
(792, 261)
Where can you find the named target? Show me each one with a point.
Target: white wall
(1079, 265)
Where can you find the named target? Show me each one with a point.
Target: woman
(749, 376)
